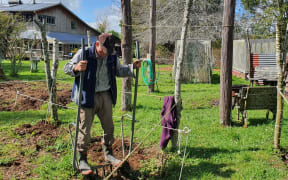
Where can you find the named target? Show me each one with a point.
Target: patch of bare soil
(43, 134)
(166, 68)
(37, 90)
(19, 169)
(130, 169)
(284, 156)
(40, 132)
(35, 137)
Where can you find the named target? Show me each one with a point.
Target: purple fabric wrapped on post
(168, 119)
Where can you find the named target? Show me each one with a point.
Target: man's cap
(107, 40)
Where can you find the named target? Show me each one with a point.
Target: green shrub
(162, 51)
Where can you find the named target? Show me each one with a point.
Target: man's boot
(84, 167)
(108, 154)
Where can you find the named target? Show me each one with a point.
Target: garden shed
(259, 48)
(197, 63)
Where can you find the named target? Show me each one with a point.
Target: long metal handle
(75, 164)
(135, 97)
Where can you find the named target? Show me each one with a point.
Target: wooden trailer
(254, 98)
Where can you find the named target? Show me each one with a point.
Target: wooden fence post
(152, 45)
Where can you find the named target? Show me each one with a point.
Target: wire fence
(185, 130)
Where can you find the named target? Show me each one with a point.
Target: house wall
(63, 19)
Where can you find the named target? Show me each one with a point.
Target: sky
(91, 11)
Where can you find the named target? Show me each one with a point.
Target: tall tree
(177, 91)
(205, 19)
(103, 25)
(2, 74)
(11, 45)
(114, 33)
(152, 45)
(4, 18)
(257, 18)
(226, 62)
(126, 53)
(5, 30)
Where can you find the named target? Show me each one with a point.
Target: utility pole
(126, 53)
(226, 63)
(152, 45)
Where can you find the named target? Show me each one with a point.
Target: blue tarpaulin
(64, 38)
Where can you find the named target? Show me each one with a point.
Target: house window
(48, 19)
(73, 25)
(60, 47)
(50, 47)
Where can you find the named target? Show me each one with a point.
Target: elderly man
(101, 67)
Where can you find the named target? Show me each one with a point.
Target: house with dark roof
(61, 23)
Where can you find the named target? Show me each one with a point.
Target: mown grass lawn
(213, 152)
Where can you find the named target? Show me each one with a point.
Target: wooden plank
(258, 98)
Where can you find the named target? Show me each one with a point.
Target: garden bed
(33, 89)
(43, 134)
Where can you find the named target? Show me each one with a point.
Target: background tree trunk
(152, 45)
(226, 63)
(126, 53)
(180, 58)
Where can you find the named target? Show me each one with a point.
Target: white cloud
(114, 23)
